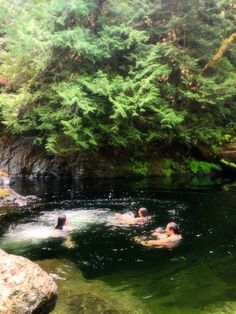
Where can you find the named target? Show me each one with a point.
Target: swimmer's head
(172, 228)
(143, 212)
(61, 220)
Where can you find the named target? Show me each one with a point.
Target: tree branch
(224, 46)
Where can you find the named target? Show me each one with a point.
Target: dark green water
(106, 271)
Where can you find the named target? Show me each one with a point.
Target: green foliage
(167, 167)
(140, 168)
(202, 167)
(126, 74)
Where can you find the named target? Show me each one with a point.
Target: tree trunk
(224, 46)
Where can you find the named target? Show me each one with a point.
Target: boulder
(26, 288)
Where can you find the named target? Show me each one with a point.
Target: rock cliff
(18, 156)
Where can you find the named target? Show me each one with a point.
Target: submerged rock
(26, 288)
(78, 295)
(90, 303)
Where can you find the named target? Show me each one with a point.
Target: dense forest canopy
(83, 74)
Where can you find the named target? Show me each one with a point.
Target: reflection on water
(103, 265)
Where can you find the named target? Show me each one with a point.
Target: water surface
(103, 270)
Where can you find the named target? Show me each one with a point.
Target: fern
(202, 167)
(128, 74)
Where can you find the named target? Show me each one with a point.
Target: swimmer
(169, 238)
(159, 233)
(130, 219)
(62, 223)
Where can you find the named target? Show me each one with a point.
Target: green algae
(178, 289)
(78, 295)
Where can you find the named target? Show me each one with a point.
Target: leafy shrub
(202, 167)
(140, 168)
(167, 166)
(84, 75)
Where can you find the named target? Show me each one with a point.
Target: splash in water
(33, 232)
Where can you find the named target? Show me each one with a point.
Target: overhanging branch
(224, 46)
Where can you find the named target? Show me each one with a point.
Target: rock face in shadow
(18, 156)
(25, 287)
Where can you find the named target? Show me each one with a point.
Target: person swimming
(169, 238)
(62, 223)
(130, 219)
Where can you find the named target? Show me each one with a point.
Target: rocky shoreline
(9, 198)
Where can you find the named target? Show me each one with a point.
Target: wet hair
(143, 211)
(174, 227)
(61, 220)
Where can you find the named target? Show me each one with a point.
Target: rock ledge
(9, 198)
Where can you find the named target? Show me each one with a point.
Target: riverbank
(20, 157)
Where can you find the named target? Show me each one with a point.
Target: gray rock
(18, 156)
(26, 288)
(10, 198)
(4, 181)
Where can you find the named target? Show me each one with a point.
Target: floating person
(62, 223)
(130, 219)
(168, 238)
